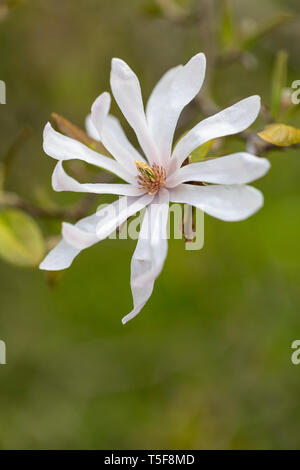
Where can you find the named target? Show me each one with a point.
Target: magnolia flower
(156, 177)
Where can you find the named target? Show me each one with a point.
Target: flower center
(151, 178)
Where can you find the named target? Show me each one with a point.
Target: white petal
(61, 147)
(90, 128)
(229, 203)
(62, 256)
(127, 92)
(61, 181)
(116, 129)
(150, 253)
(99, 111)
(116, 142)
(172, 93)
(157, 110)
(237, 168)
(230, 121)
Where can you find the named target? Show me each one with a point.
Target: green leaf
(278, 82)
(227, 27)
(21, 241)
(280, 135)
(201, 152)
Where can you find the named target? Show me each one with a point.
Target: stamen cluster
(151, 179)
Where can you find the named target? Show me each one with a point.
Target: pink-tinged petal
(61, 147)
(84, 234)
(172, 93)
(127, 93)
(237, 168)
(229, 203)
(150, 253)
(116, 142)
(61, 181)
(105, 220)
(230, 121)
(126, 208)
(77, 237)
(99, 111)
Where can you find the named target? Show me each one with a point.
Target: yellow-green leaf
(21, 241)
(201, 152)
(280, 135)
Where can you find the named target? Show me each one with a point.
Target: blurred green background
(207, 363)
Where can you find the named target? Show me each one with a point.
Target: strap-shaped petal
(172, 93)
(126, 207)
(127, 93)
(84, 233)
(157, 109)
(229, 203)
(230, 121)
(99, 111)
(116, 142)
(61, 147)
(61, 181)
(150, 253)
(109, 218)
(237, 168)
(60, 257)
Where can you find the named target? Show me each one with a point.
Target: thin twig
(11, 200)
